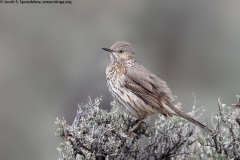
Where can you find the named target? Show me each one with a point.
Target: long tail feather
(187, 117)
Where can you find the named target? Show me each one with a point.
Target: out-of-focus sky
(51, 60)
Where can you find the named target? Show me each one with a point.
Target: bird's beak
(107, 49)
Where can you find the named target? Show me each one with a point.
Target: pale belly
(131, 103)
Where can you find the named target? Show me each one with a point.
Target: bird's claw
(131, 134)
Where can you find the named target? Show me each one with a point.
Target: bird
(137, 90)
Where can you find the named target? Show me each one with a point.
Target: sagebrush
(99, 134)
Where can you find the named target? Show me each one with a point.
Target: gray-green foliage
(99, 134)
(226, 143)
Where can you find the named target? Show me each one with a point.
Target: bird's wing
(155, 92)
(148, 87)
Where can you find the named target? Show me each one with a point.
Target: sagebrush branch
(99, 134)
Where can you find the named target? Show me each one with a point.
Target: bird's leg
(131, 131)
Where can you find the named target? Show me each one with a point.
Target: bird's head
(121, 52)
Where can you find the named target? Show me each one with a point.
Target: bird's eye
(121, 51)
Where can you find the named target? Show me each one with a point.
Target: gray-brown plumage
(137, 90)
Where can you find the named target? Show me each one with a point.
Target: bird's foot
(131, 134)
(134, 130)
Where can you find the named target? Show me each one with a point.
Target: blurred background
(51, 60)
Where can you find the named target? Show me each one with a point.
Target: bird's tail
(187, 117)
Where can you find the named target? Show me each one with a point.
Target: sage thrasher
(137, 90)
